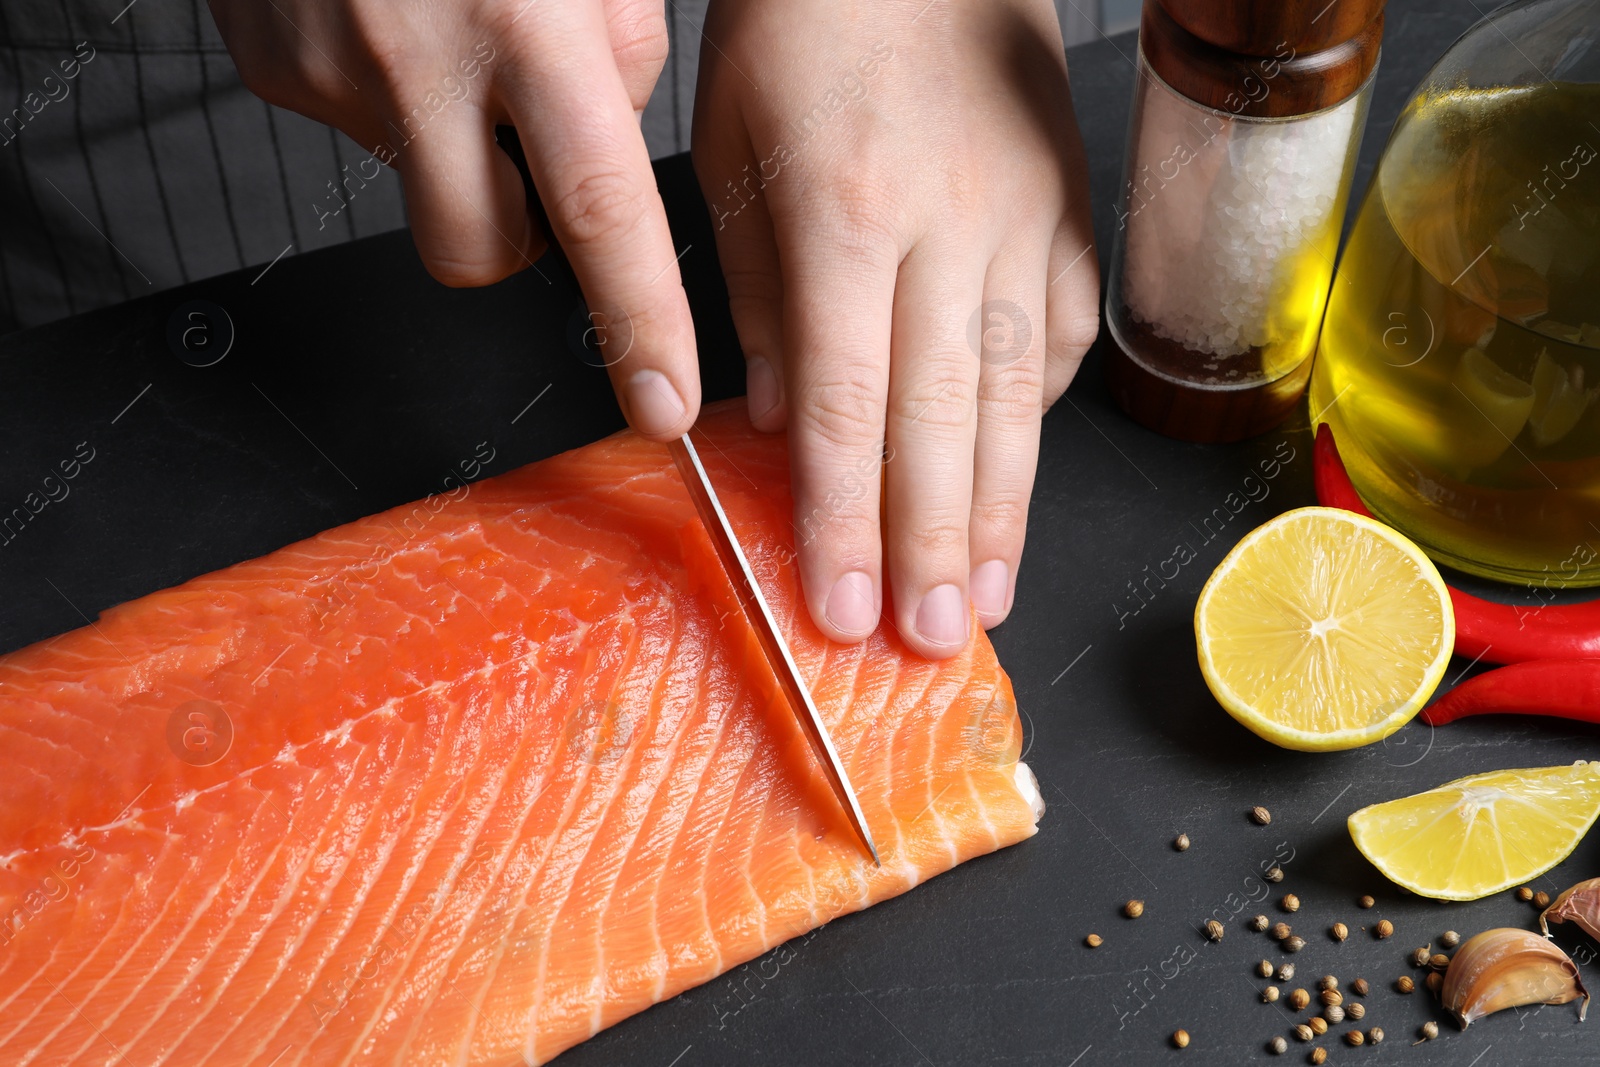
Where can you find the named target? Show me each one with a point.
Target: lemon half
(1324, 630)
(1479, 835)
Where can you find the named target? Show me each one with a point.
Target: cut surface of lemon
(1324, 630)
(1480, 835)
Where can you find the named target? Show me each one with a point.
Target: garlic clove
(1580, 905)
(1509, 968)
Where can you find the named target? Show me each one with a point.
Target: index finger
(589, 164)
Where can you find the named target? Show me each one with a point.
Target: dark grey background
(355, 383)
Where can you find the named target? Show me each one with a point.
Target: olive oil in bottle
(1459, 362)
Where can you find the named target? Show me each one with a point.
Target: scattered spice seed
(1384, 929)
(1420, 957)
(1366, 901)
(1375, 1035)
(1259, 923)
(1260, 816)
(1355, 1010)
(1449, 939)
(1094, 941)
(1280, 931)
(1359, 987)
(1285, 972)
(1269, 995)
(1327, 982)
(1334, 1014)
(1319, 1025)
(1181, 1038)
(1319, 1055)
(1430, 1030)
(1439, 961)
(1299, 999)
(1133, 909)
(1404, 983)
(1354, 1038)
(1524, 894)
(1304, 1032)
(1293, 944)
(1541, 900)
(1290, 902)
(1435, 980)
(1331, 997)
(1278, 1046)
(1215, 930)
(1339, 931)
(1181, 843)
(1274, 874)
(1264, 968)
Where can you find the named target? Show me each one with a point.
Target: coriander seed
(1375, 1035)
(1285, 972)
(1094, 941)
(1180, 1038)
(1355, 1037)
(1327, 982)
(1319, 1055)
(1355, 1010)
(1435, 980)
(1430, 1030)
(1439, 961)
(1359, 987)
(1274, 874)
(1404, 984)
(1541, 900)
(1299, 999)
(1331, 997)
(1269, 995)
(1290, 902)
(1260, 816)
(1264, 968)
(1318, 1024)
(1133, 909)
(1339, 931)
(1215, 930)
(1420, 957)
(1524, 894)
(1366, 902)
(1304, 1032)
(1181, 842)
(1384, 929)
(1280, 931)
(1449, 939)
(1259, 923)
(1293, 944)
(1334, 1014)
(1278, 1046)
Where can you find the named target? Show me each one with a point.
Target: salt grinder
(1247, 115)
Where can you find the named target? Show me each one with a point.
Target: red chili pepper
(1485, 630)
(1566, 688)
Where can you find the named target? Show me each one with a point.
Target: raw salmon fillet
(504, 769)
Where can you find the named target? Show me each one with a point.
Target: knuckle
(465, 271)
(641, 43)
(845, 415)
(944, 407)
(1003, 515)
(601, 207)
(1012, 395)
(853, 204)
(937, 539)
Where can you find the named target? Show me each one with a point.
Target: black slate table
(355, 383)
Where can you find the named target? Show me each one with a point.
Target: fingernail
(760, 386)
(942, 616)
(988, 588)
(850, 607)
(654, 406)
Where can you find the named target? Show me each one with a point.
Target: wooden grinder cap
(1262, 58)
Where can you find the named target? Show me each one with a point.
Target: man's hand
(423, 85)
(901, 206)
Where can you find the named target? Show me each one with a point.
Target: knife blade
(748, 592)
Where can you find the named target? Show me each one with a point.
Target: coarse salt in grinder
(1246, 119)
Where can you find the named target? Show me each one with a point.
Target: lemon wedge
(1479, 835)
(1324, 630)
